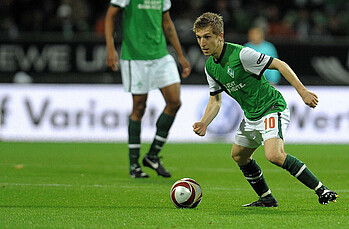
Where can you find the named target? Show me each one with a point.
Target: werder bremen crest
(232, 86)
(230, 72)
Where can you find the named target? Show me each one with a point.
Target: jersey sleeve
(119, 3)
(254, 62)
(167, 6)
(213, 86)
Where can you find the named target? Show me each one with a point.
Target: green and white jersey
(239, 72)
(143, 37)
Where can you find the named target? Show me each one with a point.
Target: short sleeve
(254, 62)
(120, 3)
(167, 6)
(213, 86)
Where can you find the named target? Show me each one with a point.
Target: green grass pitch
(87, 185)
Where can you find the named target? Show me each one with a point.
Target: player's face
(210, 43)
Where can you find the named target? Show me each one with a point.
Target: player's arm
(308, 97)
(171, 34)
(112, 56)
(212, 109)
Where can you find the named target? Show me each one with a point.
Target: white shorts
(142, 76)
(252, 134)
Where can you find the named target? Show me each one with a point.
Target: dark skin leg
(172, 99)
(171, 96)
(139, 105)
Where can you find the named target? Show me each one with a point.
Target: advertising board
(48, 112)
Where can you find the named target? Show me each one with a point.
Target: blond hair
(208, 19)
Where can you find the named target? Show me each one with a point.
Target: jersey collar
(222, 54)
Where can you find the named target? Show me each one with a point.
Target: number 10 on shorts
(269, 123)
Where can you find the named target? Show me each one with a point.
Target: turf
(87, 185)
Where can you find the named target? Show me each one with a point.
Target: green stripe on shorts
(280, 126)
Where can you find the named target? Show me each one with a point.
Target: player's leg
(165, 77)
(163, 125)
(134, 127)
(165, 120)
(134, 135)
(245, 144)
(275, 153)
(254, 175)
(171, 95)
(136, 81)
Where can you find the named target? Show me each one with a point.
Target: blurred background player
(238, 71)
(146, 65)
(256, 37)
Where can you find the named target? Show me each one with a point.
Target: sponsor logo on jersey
(232, 86)
(260, 59)
(150, 4)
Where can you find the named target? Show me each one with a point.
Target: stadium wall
(99, 113)
(70, 61)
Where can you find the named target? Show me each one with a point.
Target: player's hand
(186, 68)
(112, 60)
(310, 98)
(200, 128)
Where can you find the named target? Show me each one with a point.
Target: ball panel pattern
(186, 193)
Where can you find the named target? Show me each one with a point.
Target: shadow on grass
(279, 212)
(157, 181)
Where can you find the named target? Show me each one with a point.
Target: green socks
(163, 126)
(254, 176)
(134, 142)
(299, 170)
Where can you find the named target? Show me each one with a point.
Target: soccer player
(146, 65)
(238, 71)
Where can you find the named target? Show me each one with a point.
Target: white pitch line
(61, 165)
(232, 169)
(61, 185)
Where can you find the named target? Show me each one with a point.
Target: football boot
(265, 202)
(326, 195)
(138, 173)
(156, 164)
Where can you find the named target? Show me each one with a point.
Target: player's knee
(139, 109)
(237, 158)
(174, 106)
(241, 160)
(275, 158)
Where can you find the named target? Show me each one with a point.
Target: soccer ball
(186, 193)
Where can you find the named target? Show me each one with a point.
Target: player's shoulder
(233, 49)
(120, 3)
(233, 46)
(209, 62)
(247, 52)
(210, 65)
